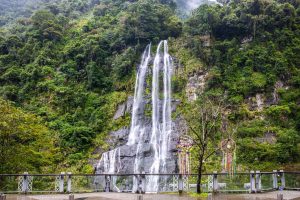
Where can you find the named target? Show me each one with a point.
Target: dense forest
(66, 65)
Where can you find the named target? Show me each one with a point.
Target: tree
(149, 21)
(47, 25)
(26, 144)
(204, 122)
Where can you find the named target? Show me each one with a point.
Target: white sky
(192, 4)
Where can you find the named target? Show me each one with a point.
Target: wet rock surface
(124, 108)
(119, 137)
(126, 154)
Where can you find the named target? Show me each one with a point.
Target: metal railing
(251, 182)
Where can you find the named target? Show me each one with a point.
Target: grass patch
(193, 194)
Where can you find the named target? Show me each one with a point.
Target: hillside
(69, 64)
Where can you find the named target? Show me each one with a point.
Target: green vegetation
(74, 73)
(26, 143)
(254, 46)
(65, 66)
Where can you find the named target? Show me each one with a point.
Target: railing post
(2, 197)
(25, 183)
(140, 197)
(252, 182)
(279, 196)
(143, 183)
(209, 197)
(215, 182)
(61, 182)
(275, 181)
(139, 188)
(258, 181)
(107, 183)
(282, 179)
(71, 197)
(69, 182)
(136, 183)
(180, 184)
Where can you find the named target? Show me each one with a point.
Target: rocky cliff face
(196, 85)
(262, 100)
(150, 143)
(125, 155)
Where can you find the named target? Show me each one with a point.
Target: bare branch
(213, 152)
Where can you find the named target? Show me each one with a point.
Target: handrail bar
(137, 174)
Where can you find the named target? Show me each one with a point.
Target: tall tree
(204, 121)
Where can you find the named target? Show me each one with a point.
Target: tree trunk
(199, 177)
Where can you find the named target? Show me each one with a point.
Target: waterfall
(160, 132)
(137, 161)
(111, 164)
(137, 130)
(161, 123)
(167, 121)
(138, 97)
(153, 180)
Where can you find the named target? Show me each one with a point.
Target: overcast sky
(192, 4)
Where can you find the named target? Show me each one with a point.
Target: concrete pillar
(215, 182)
(69, 182)
(180, 184)
(71, 197)
(61, 182)
(282, 179)
(275, 181)
(279, 196)
(107, 183)
(252, 182)
(25, 183)
(139, 184)
(258, 181)
(137, 181)
(143, 183)
(209, 197)
(140, 197)
(2, 197)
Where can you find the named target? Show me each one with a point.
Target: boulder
(120, 111)
(125, 107)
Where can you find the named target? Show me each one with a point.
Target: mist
(189, 5)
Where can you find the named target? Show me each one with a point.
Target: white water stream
(111, 164)
(160, 131)
(136, 125)
(161, 120)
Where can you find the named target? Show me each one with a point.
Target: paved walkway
(288, 195)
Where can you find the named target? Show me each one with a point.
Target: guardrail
(252, 182)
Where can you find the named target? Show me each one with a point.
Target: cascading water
(167, 121)
(153, 180)
(111, 164)
(138, 97)
(166, 113)
(160, 132)
(140, 135)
